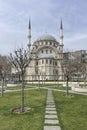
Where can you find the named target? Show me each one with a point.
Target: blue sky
(45, 17)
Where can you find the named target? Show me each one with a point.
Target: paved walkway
(51, 119)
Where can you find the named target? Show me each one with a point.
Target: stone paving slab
(52, 128)
(51, 106)
(51, 112)
(51, 109)
(51, 122)
(51, 116)
(50, 103)
(49, 98)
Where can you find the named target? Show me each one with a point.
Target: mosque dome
(45, 37)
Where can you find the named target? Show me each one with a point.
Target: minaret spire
(29, 24)
(61, 25)
(61, 32)
(29, 35)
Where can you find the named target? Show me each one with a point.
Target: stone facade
(46, 58)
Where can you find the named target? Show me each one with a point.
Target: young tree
(66, 73)
(20, 61)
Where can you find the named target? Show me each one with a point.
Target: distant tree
(5, 70)
(70, 67)
(73, 67)
(84, 71)
(20, 60)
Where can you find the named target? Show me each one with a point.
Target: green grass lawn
(54, 86)
(83, 85)
(13, 87)
(57, 86)
(72, 111)
(19, 87)
(33, 120)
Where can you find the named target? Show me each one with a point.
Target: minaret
(29, 35)
(61, 33)
(61, 50)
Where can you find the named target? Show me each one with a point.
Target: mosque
(46, 54)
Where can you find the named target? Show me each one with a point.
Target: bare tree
(70, 67)
(20, 60)
(73, 67)
(5, 70)
(66, 74)
(84, 71)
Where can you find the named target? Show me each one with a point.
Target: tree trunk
(2, 87)
(57, 80)
(22, 94)
(84, 80)
(67, 87)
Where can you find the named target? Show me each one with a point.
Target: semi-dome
(46, 37)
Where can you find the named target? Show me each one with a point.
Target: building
(46, 55)
(78, 55)
(81, 55)
(77, 60)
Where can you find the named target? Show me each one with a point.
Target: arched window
(36, 46)
(50, 61)
(54, 44)
(42, 51)
(46, 51)
(46, 61)
(57, 72)
(37, 63)
(50, 43)
(46, 43)
(55, 63)
(50, 51)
